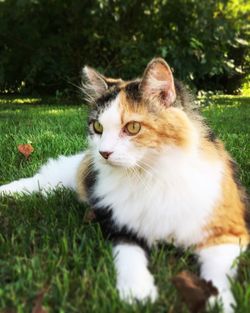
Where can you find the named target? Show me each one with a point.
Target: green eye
(97, 127)
(133, 128)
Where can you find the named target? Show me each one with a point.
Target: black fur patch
(247, 218)
(108, 97)
(111, 231)
(104, 217)
(234, 167)
(211, 136)
(132, 91)
(89, 182)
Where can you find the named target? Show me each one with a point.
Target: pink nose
(105, 154)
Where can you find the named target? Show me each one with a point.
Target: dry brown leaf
(25, 149)
(38, 303)
(193, 290)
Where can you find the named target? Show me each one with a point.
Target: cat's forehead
(117, 98)
(131, 89)
(120, 105)
(111, 116)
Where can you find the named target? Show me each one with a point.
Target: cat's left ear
(94, 84)
(158, 83)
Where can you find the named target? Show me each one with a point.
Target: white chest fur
(173, 202)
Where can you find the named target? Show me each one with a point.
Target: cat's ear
(158, 82)
(94, 84)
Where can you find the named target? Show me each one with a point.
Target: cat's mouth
(111, 162)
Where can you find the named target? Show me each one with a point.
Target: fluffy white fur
(159, 206)
(54, 174)
(124, 153)
(134, 281)
(157, 200)
(218, 264)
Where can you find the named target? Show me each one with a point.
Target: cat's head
(131, 122)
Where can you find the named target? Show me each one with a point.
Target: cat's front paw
(21, 186)
(5, 189)
(10, 188)
(142, 290)
(225, 298)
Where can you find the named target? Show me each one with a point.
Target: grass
(48, 248)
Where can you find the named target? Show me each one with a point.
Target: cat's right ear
(94, 84)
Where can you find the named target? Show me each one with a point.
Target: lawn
(50, 251)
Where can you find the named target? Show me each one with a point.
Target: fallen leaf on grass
(25, 149)
(38, 302)
(193, 290)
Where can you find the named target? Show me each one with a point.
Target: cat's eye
(133, 128)
(97, 127)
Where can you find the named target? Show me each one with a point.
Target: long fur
(173, 181)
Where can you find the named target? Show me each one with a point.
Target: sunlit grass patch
(21, 100)
(47, 245)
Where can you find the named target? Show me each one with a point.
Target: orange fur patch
(163, 126)
(82, 172)
(227, 224)
(160, 126)
(171, 126)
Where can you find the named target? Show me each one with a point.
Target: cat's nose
(105, 154)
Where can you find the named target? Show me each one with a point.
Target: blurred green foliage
(45, 43)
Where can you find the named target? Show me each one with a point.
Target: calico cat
(153, 172)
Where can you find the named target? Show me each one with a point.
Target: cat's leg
(218, 264)
(55, 173)
(134, 281)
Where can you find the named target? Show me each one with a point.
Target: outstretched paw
(138, 290)
(225, 299)
(6, 189)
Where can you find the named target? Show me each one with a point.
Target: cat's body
(157, 204)
(154, 172)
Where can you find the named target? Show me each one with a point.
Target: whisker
(146, 185)
(144, 169)
(153, 172)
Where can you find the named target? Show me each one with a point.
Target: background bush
(45, 43)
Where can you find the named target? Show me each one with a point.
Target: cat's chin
(117, 164)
